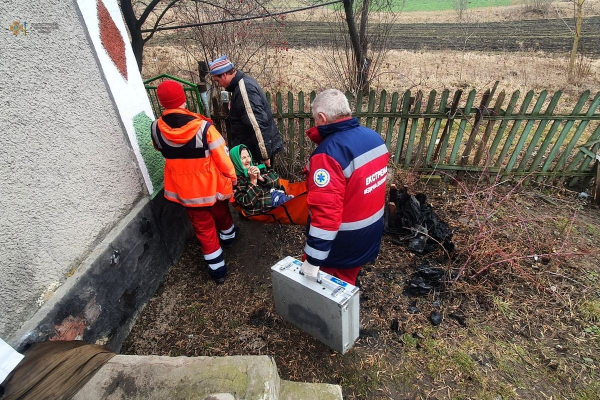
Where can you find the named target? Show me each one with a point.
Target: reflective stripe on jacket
(198, 170)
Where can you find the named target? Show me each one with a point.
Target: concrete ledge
(300, 390)
(100, 301)
(202, 378)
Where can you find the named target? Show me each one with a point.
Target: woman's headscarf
(236, 157)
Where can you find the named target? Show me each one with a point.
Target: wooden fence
(521, 137)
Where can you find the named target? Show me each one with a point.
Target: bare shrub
(537, 6)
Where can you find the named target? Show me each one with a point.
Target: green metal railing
(192, 94)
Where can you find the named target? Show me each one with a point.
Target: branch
(171, 4)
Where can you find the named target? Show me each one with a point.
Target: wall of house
(70, 171)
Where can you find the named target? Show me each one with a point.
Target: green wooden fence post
(413, 128)
(301, 126)
(291, 122)
(488, 130)
(437, 123)
(382, 104)
(563, 134)
(279, 101)
(483, 108)
(515, 128)
(402, 127)
(506, 118)
(538, 133)
(392, 120)
(370, 109)
(578, 132)
(358, 112)
(461, 129)
(535, 113)
(585, 156)
(426, 121)
(448, 127)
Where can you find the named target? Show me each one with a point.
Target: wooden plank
(436, 125)
(596, 194)
(382, 104)
(402, 127)
(313, 94)
(392, 120)
(515, 128)
(488, 130)
(563, 134)
(290, 123)
(581, 158)
(461, 129)
(539, 131)
(578, 132)
(359, 98)
(301, 128)
(425, 129)
(448, 127)
(279, 101)
(413, 128)
(370, 109)
(536, 110)
(483, 107)
(506, 118)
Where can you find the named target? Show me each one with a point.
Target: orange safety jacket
(198, 170)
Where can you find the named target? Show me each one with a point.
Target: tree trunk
(354, 37)
(137, 42)
(578, 20)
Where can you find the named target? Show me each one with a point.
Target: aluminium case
(327, 310)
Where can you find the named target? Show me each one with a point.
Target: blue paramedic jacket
(346, 176)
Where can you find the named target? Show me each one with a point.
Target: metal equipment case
(327, 310)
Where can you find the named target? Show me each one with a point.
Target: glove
(310, 271)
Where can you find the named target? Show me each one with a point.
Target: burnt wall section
(100, 302)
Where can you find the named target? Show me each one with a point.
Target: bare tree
(578, 15)
(247, 43)
(460, 6)
(136, 15)
(359, 43)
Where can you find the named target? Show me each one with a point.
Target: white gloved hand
(310, 271)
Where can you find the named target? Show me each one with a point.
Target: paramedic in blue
(346, 183)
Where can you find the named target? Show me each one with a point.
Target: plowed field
(549, 35)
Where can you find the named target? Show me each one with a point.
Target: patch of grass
(408, 340)
(591, 229)
(504, 307)
(464, 361)
(441, 5)
(590, 392)
(362, 378)
(590, 310)
(593, 276)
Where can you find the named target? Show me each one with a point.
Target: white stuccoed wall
(67, 171)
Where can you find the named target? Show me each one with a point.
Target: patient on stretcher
(258, 190)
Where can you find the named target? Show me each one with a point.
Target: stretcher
(294, 211)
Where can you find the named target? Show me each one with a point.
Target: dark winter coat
(251, 119)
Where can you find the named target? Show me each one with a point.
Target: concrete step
(202, 378)
(309, 391)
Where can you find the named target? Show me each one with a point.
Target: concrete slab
(201, 378)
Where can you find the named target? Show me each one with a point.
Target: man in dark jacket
(250, 116)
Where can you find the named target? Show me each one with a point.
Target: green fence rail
(192, 95)
(480, 133)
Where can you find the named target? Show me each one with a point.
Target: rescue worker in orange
(198, 174)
